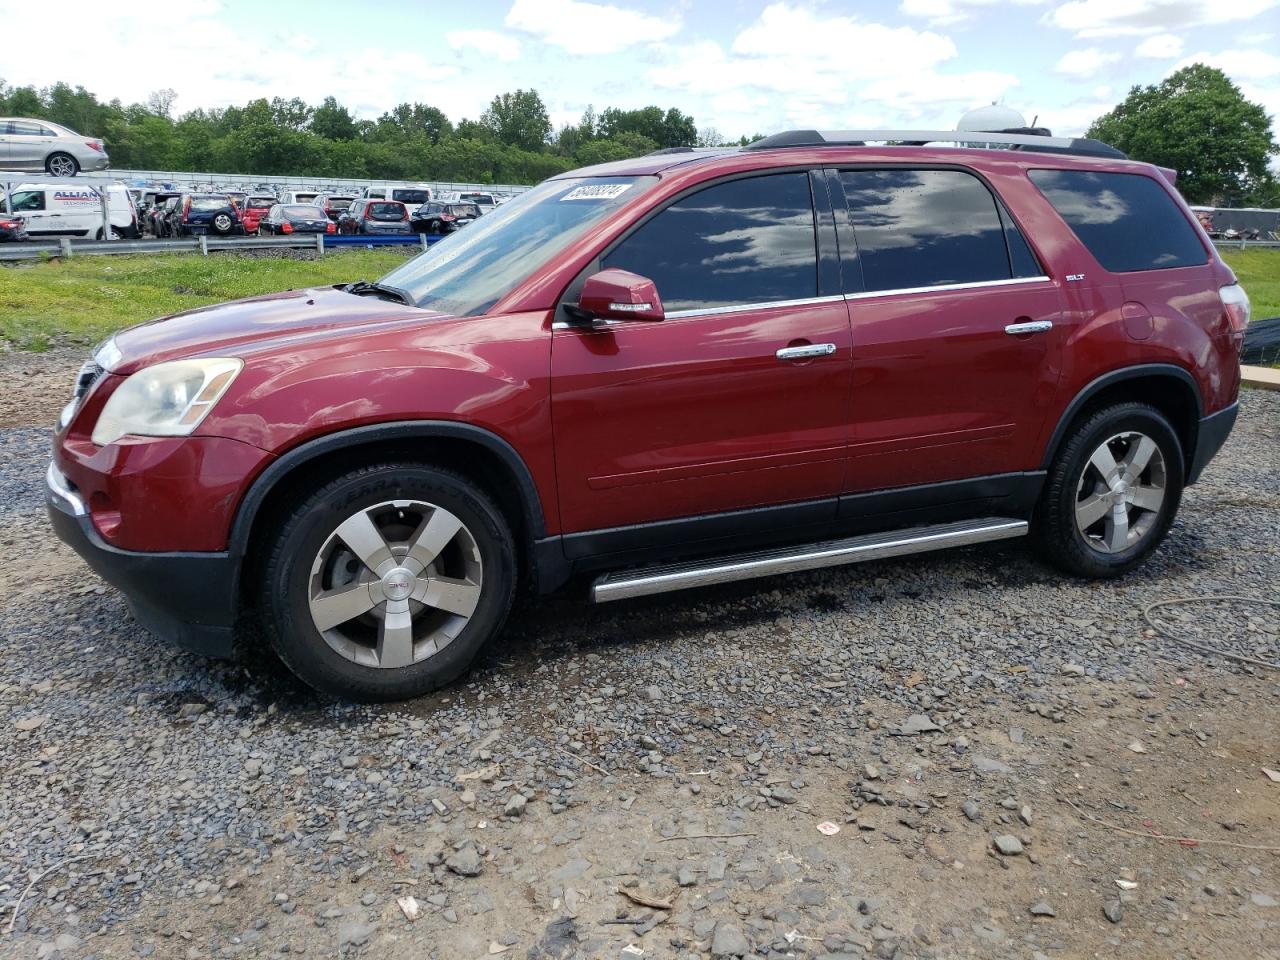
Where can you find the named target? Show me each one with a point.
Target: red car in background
(254, 209)
(12, 228)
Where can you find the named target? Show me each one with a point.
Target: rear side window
(928, 228)
(1126, 220)
(736, 243)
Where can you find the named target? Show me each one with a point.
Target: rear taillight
(448, 217)
(186, 208)
(286, 227)
(1236, 304)
(329, 228)
(94, 145)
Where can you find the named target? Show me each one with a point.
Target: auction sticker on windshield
(600, 191)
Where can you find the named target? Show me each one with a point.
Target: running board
(811, 556)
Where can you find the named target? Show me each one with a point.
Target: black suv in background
(438, 217)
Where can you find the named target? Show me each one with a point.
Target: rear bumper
(1213, 433)
(187, 599)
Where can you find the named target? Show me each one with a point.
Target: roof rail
(1018, 140)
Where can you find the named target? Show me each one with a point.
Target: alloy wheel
(62, 166)
(1121, 492)
(395, 583)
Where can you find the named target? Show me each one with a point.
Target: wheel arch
(464, 448)
(1169, 388)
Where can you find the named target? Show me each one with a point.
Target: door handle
(806, 352)
(1031, 326)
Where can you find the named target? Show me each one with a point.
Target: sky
(738, 66)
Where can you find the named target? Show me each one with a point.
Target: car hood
(229, 329)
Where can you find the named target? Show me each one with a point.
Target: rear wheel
(222, 223)
(384, 583)
(61, 165)
(1112, 492)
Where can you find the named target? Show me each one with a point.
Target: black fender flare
(285, 464)
(1098, 384)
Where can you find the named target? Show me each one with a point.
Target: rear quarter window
(1126, 220)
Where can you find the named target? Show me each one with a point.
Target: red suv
(686, 368)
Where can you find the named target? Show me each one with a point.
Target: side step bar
(812, 556)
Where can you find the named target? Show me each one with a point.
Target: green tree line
(512, 141)
(1197, 122)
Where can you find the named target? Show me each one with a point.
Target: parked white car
(38, 145)
(412, 196)
(73, 210)
(304, 197)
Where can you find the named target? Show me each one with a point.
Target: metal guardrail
(1247, 244)
(319, 242)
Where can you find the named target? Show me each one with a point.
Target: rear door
(737, 399)
(29, 144)
(957, 334)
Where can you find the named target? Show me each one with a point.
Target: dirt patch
(37, 385)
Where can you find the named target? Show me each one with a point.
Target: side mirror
(618, 295)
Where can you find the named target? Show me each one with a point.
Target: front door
(31, 205)
(957, 331)
(738, 399)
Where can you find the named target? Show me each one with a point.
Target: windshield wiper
(362, 288)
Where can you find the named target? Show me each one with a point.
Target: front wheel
(385, 583)
(1111, 493)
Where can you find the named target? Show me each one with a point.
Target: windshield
(261, 203)
(295, 212)
(338, 203)
(467, 272)
(209, 203)
(411, 196)
(386, 211)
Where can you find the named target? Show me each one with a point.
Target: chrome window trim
(944, 287)
(781, 304)
(742, 307)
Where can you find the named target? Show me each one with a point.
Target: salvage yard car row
(37, 210)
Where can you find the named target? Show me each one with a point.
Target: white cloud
(1084, 63)
(485, 41)
(1110, 18)
(942, 13)
(589, 28)
(862, 74)
(1074, 119)
(1162, 46)
(1237, 64)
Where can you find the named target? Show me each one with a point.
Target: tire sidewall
(286, 583)
(1058, 513)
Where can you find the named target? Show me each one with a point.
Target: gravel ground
(653, 779)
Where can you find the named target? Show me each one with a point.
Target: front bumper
(188, 599)
(1213, 433)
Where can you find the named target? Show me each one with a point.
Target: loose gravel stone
(1007, 844)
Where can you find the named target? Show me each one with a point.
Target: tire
(1095, 518)
(221, 224)
(61, 165)
(316, 550)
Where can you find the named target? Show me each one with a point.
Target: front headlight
(167, 400)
